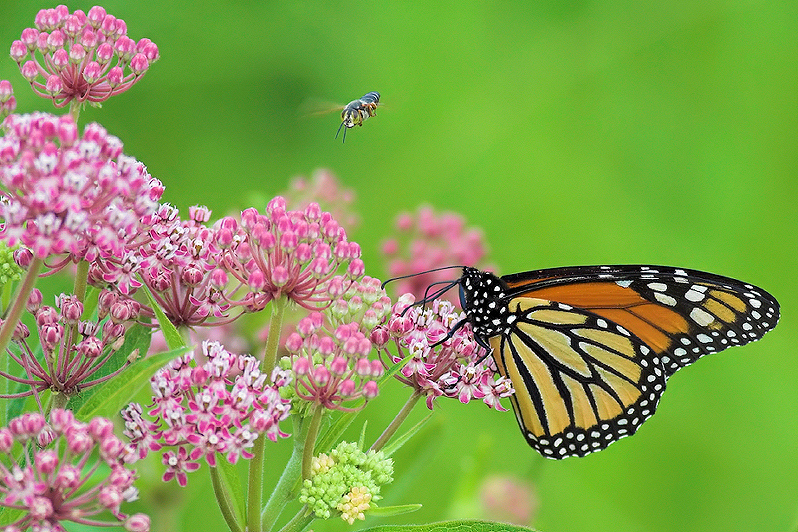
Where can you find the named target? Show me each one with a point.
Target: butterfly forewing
(679, 313)
(589, 349)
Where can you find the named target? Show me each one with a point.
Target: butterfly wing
(589, 349)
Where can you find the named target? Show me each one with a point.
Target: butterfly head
(482, 297)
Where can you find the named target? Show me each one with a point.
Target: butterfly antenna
(392, 279)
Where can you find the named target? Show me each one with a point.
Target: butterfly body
(589, 349)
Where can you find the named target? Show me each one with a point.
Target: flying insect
(358, 111)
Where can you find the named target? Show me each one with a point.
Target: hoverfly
(357, 111)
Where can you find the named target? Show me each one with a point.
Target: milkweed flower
(285, 253)
(73, 350)
(74, 472)
(175, 260)
(63, 193)
(426, 240)
(85, 57)
(445, 360)
(206, 411)
(331, 369)
(345, 482)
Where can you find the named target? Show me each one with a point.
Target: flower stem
(225, 504)
(300, 521)
(391, 429)
(288, 480)
(275, 327)
(310, 441)
(255, 484)
(20, 300)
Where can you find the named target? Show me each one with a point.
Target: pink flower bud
(23, 257)
(95, 16)
(377, 369)
(301, 366)
(326, 346)
(338, 366)
(370, 390)
(256, 281)
(77, 53)
(6, 440)
(137, 523)
(29, 71)
(46, 461)
(363, 367)
(139, 64)
(104, 53)
(18, 51)
(321, 375)
(219, 278)
(115, 76)
(293, 343)
(92, 72)
(347, 387)
(280, 276)
(380, 336)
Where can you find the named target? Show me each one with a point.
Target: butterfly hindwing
(588, 382)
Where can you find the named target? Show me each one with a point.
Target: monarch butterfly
(589, 349)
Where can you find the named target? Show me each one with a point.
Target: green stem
(283, 491)
(20, 300)
(255, 485)
(81, 278)
(74, 110)
(310, 441)
(275, 327)
(225, 504)
(391, 429)
(300, 521)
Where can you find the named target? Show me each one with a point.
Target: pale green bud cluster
(9, 270)
(345, 482)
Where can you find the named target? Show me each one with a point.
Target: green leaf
(452, 526)
(114, 394)
(170, 332)
(390, 511)
(229, 494)
(396, 443)
(137, 337)
(90, 303)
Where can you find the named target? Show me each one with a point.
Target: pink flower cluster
(65, 471)
(216, 408)
(81, 57)
(285, 253)
(442, 363)
(429, 240)
(174, 261)
(63, 193)
(332, 369)
(74, 350)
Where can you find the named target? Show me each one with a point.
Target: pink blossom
(81, 57)
(79, 476)
(206, 411)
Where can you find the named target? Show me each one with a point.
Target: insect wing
(590, 348)
(588, 382)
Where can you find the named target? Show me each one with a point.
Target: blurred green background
(573, 132)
